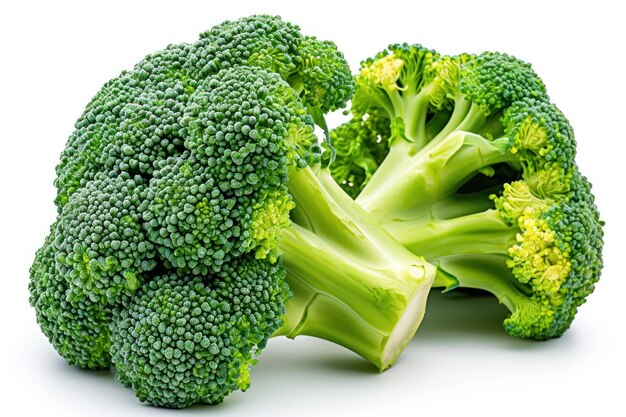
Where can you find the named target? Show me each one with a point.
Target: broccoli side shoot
(480, 178)
(78, 329)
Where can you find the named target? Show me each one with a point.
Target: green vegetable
(193, 198)
(198, 214)
(465, 161)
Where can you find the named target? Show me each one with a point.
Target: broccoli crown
(184, 340)
(172, 190)
(479, 171)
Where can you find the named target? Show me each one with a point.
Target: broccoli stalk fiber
(353, 284)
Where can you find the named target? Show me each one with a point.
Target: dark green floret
(226, 195)
(77, 329)
(359, 157)
(101, 242)
(185, 340)
(480, 178)
(133, 123)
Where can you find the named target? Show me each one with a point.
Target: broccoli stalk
(479, 178)
(353, 284)
(435, 172)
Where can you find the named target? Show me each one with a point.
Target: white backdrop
(57, 54)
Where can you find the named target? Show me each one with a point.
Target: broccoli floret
(101, 242)
(359, 157)
(226, 195)
(480, 178)
(192, 200)
(77, 329)
(184, 340)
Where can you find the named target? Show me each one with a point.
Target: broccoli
(465, 161)
(193, 199)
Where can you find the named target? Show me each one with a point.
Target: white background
(55, 55)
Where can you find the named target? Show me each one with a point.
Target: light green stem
(480, 233)
(353, 283)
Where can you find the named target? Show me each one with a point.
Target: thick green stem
(436, 164)
(474, 120)
(458, 205)
(480, 233)
(436, 123)
(414, 112)
(488, 273)
(353, 283)
(413, 109)
(453, 206)
(434, 173)
(460, 112)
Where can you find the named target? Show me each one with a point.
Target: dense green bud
(260, 41)
(243, 116)
(184, 340)
(327, 83)
(540, 134)
(577, 239)
(558, 254)
(313, 67)
(133, 123)
(360, 145)
(578, 230)
(101, 241)
(130, 124)
(226, 196)
(78, 329)
(493, 80)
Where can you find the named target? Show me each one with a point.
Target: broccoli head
(191, 197)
